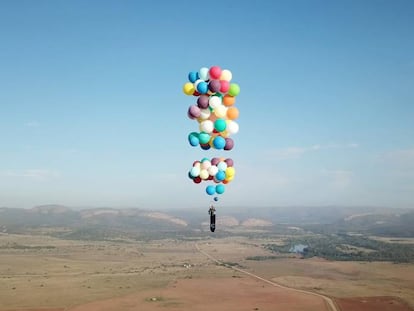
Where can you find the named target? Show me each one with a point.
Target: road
(328, 301)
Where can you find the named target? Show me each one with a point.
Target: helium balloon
(215, 161)
(188, 88)
(195, 171)
(205, 114)
(232, 127)
(202, 87)
(224, 86)
(193, 139)
(210, 189)
(215, 72)
(193, 76)
(214, 86)
(220, 189)
(216, 199)
(204, 174)
(203, 138)
(197, 180)
(213, 170)
(228, 100)
(207, 126)
(194, 112)
(221, 175)
(229, 162)
(220, 125)
(219, 142)
(222, 166)
(232, 113)
(202, 101)
(203, 74)
(206, 164)
(234, 89)
(214, 101)
(229, 144)
(230, 171)
(220, 111)
(205, 146)
(226, 75)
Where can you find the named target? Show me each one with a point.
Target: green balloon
(234, 89)
(220, 125)
(204, 138)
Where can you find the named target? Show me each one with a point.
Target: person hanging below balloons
(212, 212)
(216, 115)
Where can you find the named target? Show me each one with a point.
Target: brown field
(57, 275)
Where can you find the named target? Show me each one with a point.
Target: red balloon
(197, 180)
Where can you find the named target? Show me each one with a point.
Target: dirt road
(328, 301)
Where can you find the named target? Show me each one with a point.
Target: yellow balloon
(230, 171)
(188, 88)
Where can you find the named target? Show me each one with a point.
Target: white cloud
(297, 152)
(34, 174)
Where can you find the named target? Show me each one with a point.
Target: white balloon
(232, 127)
(222, 166)
(220, 111)
(207, 126)
(206, 164)
(204, 174)
(203, 74)
(205, 114)
(212, 170)
(214, 101)
(195, 171)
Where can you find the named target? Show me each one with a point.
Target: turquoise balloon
(220, 189)
(204, 138)
(219, 142)
(210, 189)
(193, 139)
(204, 159)
(220, 125)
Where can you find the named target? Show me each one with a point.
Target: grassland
(39, 271)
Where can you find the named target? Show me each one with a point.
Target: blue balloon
(210, 189)
(220, 189)
(221, 175)
(216, 199)
(202, 87)
(193, 76)
(219, 142)
(193, 139)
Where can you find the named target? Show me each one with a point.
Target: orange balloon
(228, 100)
(232, 113)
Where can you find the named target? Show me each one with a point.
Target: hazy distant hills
(88, 222)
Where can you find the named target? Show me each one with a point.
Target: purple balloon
(202, 101)
(229, 144)
(215, 161)
(229, 162)
(194, 112)
(214, 86)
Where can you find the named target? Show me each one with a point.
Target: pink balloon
(225, 86)
(215, 72)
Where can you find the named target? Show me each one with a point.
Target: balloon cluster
(219, 170)
(215, 113)
(215, 110)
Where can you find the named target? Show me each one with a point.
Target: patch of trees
(348, 248)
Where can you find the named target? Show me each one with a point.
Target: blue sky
(92, 111)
